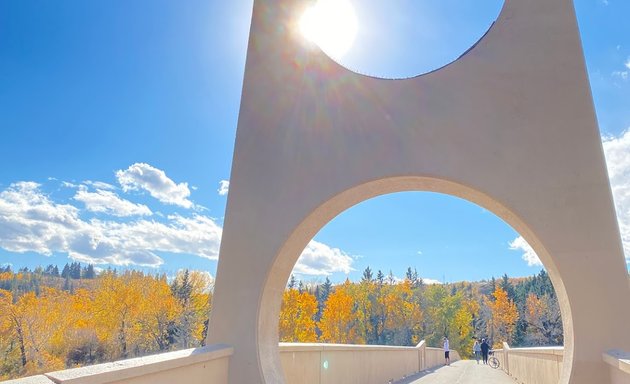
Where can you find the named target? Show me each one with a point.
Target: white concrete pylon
(509, 126)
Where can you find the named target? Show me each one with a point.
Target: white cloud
(142, 176)
(321, 259)
(519, 244)
(31, 222)
(419, 252)
(623, 75)
(100, 185)
(617, 151)
(431, 281)
(627, 64)
(108, 202)
(224, 187)
(68, 184)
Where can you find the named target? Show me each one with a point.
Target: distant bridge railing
(364, 364)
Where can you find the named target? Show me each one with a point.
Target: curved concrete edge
(141, 366)
(618, 359)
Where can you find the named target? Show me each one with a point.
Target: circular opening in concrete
(399, 39)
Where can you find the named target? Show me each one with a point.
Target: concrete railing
(619, 362)
(541, 365)
(361, 364)
(302, 364)
(191, 366)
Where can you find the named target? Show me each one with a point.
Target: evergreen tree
(367, 275)
(50, 270)
(65, 273)
(380, 277)
(88, 272)
(75, 270)
(325, 290)
(508, 287)
(412, 276)
(292, 282)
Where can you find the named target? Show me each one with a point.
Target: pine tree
(380, 278)
(412, 276)
(508, 287)
(367, 275)
(75, 270)
(292, 282)
(88, 272)
(66, 271)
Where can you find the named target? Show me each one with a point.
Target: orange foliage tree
(504, 316)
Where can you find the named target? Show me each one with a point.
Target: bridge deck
(460, 372)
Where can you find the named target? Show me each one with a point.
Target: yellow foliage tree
(338, 322)
(297, 313)
(38, 325)
(404, 316)
(118, 304)
(158, 310)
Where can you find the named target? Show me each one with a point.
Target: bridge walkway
(460, 372)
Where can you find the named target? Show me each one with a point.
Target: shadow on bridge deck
(460, 372)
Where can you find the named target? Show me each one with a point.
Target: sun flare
(331, 24)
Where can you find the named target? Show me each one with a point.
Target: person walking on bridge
(447, 357)
(485, 348)
(477, 350)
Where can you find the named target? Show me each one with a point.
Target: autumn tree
(544, 322)
(117, 309)
(38, 326)
(504, 317)
(297, 314)
(338, 322)
(404, 317)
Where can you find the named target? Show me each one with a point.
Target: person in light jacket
(447, 357)
(477, 350)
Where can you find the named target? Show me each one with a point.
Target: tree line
(46, 325)
(51, 320)
(382, 310)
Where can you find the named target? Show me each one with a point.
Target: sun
(331, 24)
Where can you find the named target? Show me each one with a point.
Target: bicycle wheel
(493, 362)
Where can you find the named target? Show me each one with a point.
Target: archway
(272, 295)
(509, 126)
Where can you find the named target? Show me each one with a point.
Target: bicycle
(492, 360)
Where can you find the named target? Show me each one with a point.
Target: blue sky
(118, 119)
